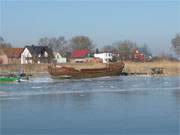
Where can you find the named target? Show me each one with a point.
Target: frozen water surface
(108, 105)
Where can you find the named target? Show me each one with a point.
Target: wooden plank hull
(112, 69)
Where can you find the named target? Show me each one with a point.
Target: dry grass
(27, 68)
(170, 68)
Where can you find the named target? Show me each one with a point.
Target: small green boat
(8, 79)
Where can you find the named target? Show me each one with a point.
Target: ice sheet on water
(47, 86)
(42, 79)
(36, 87)
(16, 94)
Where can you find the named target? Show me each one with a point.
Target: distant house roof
(13, 52)
(36, 50)
(80, 53)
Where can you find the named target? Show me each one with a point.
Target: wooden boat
(12, 77)
(111, 69)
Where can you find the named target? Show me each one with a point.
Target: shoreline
(170, 68)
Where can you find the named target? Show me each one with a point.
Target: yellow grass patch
(170, 68)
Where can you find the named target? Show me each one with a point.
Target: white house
(36, 54)
(26, 57)
(58, 58)
(106, 57)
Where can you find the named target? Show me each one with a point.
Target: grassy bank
(170, 68)
(27, 68)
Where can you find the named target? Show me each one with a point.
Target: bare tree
(145, 49)
(1, 39)
(126, 48)
(176, 44)
(56, 44)
(81, 42)
(109, 48)
(4, 44)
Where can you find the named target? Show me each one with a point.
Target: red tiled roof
(80, 53)
(13, 52)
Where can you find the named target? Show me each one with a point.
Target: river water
(127, 105)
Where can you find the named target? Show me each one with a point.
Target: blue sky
(105, 22)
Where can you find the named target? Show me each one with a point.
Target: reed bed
(170, 68)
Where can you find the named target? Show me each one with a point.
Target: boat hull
(8, 79)
(112, 69)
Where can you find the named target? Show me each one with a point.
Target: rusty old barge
(111, 69)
